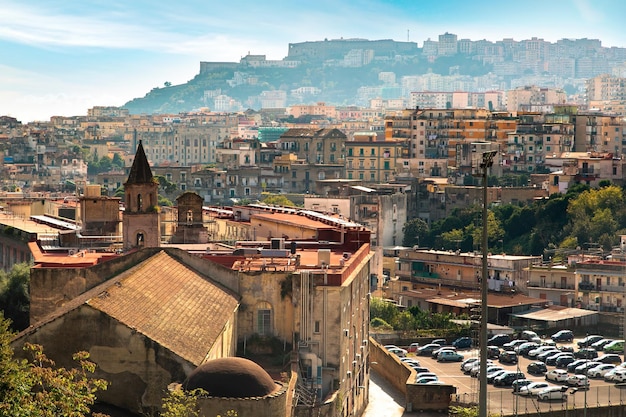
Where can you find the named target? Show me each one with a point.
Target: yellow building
(374, 161)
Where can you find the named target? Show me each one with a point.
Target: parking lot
(503, 401)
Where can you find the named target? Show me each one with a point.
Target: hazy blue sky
(61, 57)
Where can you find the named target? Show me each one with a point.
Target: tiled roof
(169, 303)
(140, 172)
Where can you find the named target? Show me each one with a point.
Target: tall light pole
(486, 163)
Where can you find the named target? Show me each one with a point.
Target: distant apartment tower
(606, 88)
(107, 111)
(533, 95)
(448, 44)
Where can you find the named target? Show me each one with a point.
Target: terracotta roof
(169, 303)
(140, 172)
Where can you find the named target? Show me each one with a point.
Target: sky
(62, 57)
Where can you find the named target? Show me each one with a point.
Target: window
(264, 318)
(373, 152)
(316, 328)
(349, 151)
(361, 151)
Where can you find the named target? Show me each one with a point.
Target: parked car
(475, 372)
(599, 345)
(552, 393)
(398, 351)
(533, 388)
(589, 340)
(462, 343)
(524, 348)
(551, 360)
(578, 362)
(600, 370)
(467, 363)
(493, 352)
(563, 361)
(436, 352)
(586, 353)
(513, 343)
(507, 378)
(419, 369)
(449, 356)
(508, 356)
(530, 336)
(425, 374)
(537, 368)
(427, 349)
(616, 346)
(577, 381)
(563, 336)
(498, 340)
(557, 375)
(567, 349)
(539, 350)
(426, 380)
(610, 358)
(547, 353)
(493, 375)
(519, 383)
(582, 369)
(413, 347)
(618, 377)
(441, 342)
(409, 361)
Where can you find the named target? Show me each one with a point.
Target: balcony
(550, 285)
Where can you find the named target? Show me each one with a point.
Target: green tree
(118, 161)
(413, 230)
(14, 295)
(384, 310)
(278, 200)
(181, 403)
(36, 388)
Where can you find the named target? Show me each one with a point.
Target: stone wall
(420, 397)
(272, 405)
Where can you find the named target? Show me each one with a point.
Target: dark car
(610, 358)
(586, 353)
(462, 343)
(427, 349)
(524, 348)
(507, 378)
(537, 368)
(599, 345)
(493, 352)
(563, 336)
(578, 362)
(508, 356)
(589, 340)
(563, 361)
(498, 340)
(551, 360)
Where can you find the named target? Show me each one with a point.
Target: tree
(278, 200)
(35, 388)
(14, 295)
(181, 403)
(413, 230)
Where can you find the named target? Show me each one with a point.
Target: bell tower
(141, 218)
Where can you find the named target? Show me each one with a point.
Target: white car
(467, 368)
(401, 353)
(541, 349)
(533, 388)
(476, 371)
(618, 377)
(600, 370)
(557, 375)
(469, 362)
(577, 381)
(552, 393)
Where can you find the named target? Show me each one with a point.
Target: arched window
(189, 217)
(264, 318)
(140, 239)
(139, 202)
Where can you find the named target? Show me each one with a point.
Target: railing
(505, 403)
(555, 285)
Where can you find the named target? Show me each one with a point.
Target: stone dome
(231, 377)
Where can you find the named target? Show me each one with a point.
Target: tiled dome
(231, 377)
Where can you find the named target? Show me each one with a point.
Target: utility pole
(486, 163)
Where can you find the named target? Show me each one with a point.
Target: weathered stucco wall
(272, 405)
(137, 368)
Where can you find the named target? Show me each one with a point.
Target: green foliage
(413, 230)
(14, 295)
(165, 185)
(378, 323)
(181, 403)
(459, 411)
(278, 200)
(387, 315)
(35, 388)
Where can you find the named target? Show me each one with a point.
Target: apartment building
(555, 283)
(372, 161)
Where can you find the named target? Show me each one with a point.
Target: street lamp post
(486, 163)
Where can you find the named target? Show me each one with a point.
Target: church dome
(232, 378)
